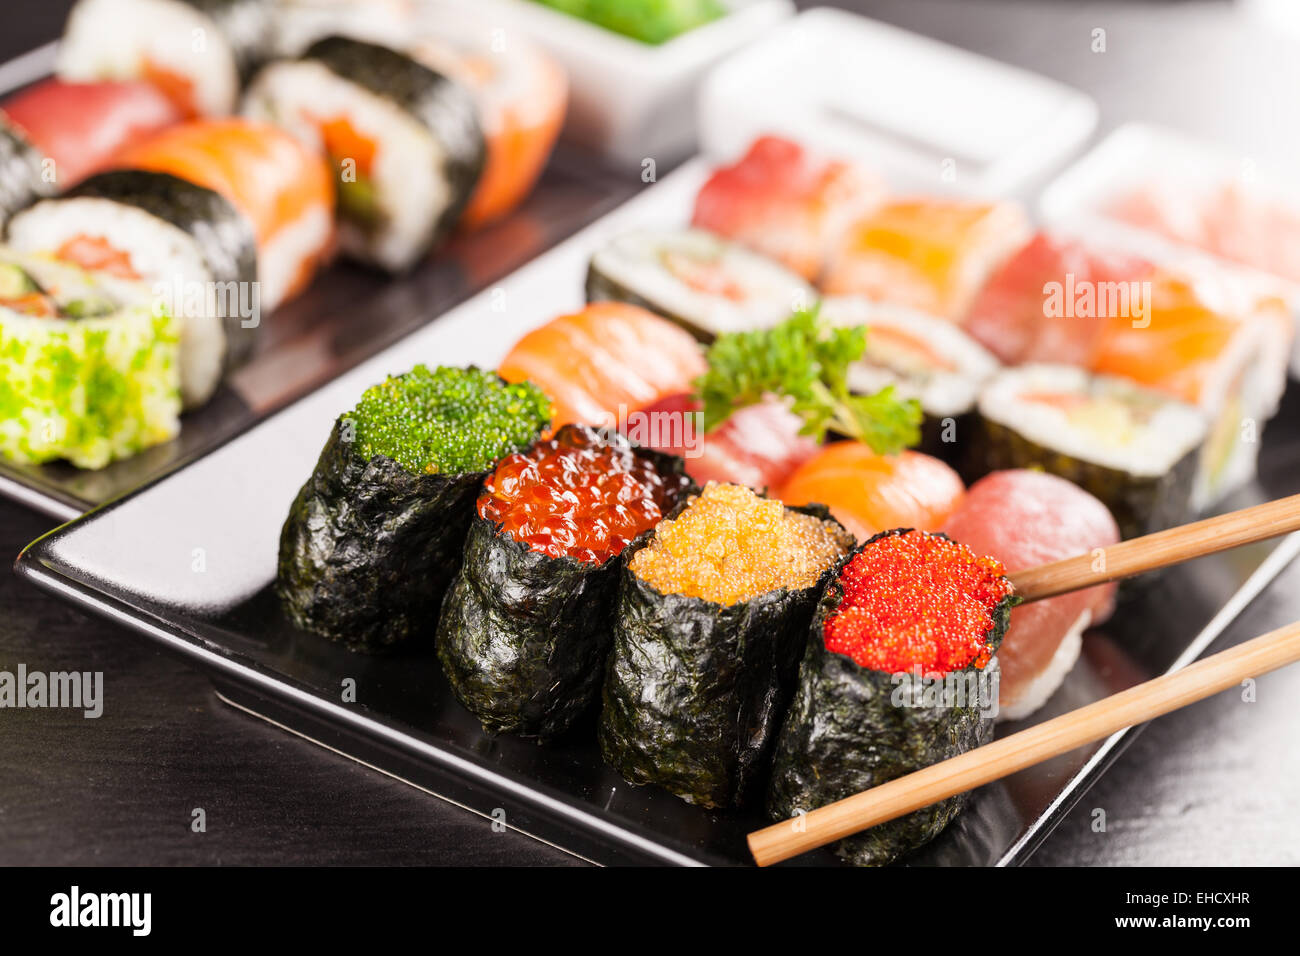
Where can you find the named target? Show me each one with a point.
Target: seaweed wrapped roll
(89, 369)
(375, 536)
(712, 611)
(526, 626)
(899, 664)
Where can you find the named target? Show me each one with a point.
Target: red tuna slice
(1024, 519)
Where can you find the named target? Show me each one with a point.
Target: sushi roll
(80, 127)
(375, 536)
(711, 614)
(786, 203)
(605, 362)
(403, 140)
(521, 94)
(1135, 449)
(194, 51)
(869, 493)
(1215, 342)
(706, 284)
(88, 366)
(526, 626)
(22, 179)
(1026, 519)
(758, 445)
(172, 235)
(928, 254)
(923, 357)
(1011, 316)
(283, 189)
(900, 658)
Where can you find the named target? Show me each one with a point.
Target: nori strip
(224, 237)
(369, 548)
(694, 691)
(1140, 505)
(844, 733)
(437, 102)
(249, 26)
(602, 288)
(20, 172)
(523, 636)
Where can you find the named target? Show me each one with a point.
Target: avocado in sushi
(712, 610)
(375, 536)
(526, 626)
(1134, 448)
(88, 366)
(904, 610)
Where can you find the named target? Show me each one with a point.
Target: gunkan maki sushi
(89, 368)
(712, 611)
(375, 536)
(404, 141)
(899, 673)
(526, 626)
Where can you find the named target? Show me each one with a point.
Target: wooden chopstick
(1026, 748)
(1160, 550)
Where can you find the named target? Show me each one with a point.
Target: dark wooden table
(1216, 783)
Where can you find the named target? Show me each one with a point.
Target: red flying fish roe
(917, 600)
(577, 495)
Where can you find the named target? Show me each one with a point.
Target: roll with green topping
(376, 534)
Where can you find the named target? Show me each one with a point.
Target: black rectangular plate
(189, 562)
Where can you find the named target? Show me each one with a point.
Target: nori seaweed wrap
(20, 172)
(852, 727)
(695, 688)
(376, 535)
(527, 625)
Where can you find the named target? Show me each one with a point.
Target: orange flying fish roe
(917, 601)
(577, 495)
(730, 545)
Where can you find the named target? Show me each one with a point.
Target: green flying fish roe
(448, 420)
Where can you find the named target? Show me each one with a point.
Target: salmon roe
(917, 601)
(577, 495)
(730, 545)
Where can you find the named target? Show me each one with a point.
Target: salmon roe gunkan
(577, 495)
(729, 545)
(917, 601)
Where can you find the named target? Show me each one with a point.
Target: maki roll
(88, 368)
(898, 674)
(171, 234)
(1133, 448)
(283, 189)
(712, 610)
(375, 536)
(526, 627)
(21, 182)
(706, 284)
(923, 357)
(404, 142)
(194, 51)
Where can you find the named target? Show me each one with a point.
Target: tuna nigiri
(1024, 519)
(284, 190)
(1014, 318)
(758, 445)
(785, 203)
(929, 254)
(870, 493)
(80, 126)
(608, 359)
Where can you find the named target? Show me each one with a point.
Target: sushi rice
(705, 283)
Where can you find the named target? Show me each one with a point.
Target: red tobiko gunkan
(578, 495)
(917, 601)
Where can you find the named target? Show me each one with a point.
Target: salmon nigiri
(869, 493)
(1024, 519)
(608, 359)
(284, 190)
